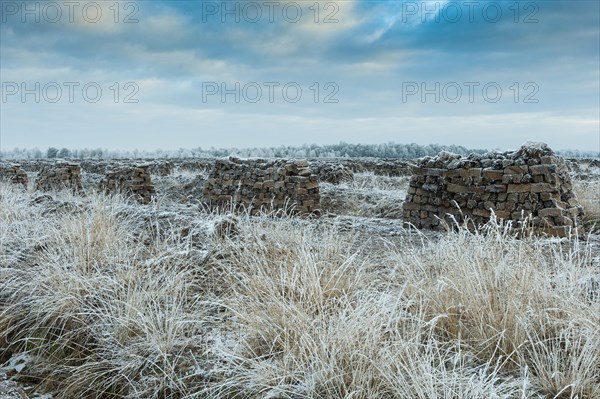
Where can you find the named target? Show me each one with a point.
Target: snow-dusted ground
(92, 243)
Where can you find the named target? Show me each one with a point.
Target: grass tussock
(367, 195)
(111, 302)
(588, 194)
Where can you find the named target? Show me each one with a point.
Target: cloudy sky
(172, 74)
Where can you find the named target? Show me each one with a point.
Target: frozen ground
(104, 298)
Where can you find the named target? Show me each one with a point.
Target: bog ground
(104, 297)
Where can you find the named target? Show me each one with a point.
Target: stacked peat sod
(162, 168)
(12, 173)
(331, 172)
(386, 167)
(381, 167)
(255, 185)
(94, 166)
(129, 181)
(529, 183)
(60, 176)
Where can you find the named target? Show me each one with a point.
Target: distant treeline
(341, 150)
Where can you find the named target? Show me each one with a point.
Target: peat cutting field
(285, 279)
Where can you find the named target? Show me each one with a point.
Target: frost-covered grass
(110, 300)
(588, 194)
(372, 182)
(367, 195)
